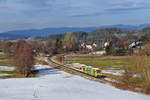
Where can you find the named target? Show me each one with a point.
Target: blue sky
(28, 14)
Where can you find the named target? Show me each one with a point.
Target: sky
(37, 14)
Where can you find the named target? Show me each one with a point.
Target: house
(88, 46)
(136, 44)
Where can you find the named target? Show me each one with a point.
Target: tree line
(102, 35)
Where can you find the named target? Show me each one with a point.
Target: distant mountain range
(19, 34)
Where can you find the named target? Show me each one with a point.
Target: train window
(98, 71)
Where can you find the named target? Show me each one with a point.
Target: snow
(113, 72)
(98, 52)
(41, 66)
(111, 80)
(58, 85)
(5, 75)
(6, 68)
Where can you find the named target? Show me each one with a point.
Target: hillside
(17, 34)
(58, 85)
(41, 32)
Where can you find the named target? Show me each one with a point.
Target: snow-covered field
(6, 68)
(57, 85)
(114, 72)
(98, 52)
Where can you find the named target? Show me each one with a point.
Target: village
(74, 50)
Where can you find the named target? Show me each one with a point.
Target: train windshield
(98, 71)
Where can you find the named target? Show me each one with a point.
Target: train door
(93, 72)
(79, 67)
(85, 69)
(82, 70)
(74, 65)
(89, 71)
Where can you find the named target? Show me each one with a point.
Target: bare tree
(24, 59)
(71, 41)
(6, 48)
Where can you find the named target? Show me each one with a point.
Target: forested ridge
(100, 35)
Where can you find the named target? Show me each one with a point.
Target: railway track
(69, 69)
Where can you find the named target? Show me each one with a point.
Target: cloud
(61, 13)
(24, 4)
(68, 8)
(127, 6)
(112, 7)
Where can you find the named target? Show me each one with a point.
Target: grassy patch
(15, 75)
(36, 61)
(103, 62)
(8, 72)
(6, 62)
(2, 55)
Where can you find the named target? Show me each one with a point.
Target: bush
(142, 67)
(138, 75)
(59, 58)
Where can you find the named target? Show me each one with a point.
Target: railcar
(76, 66)
(89, 68)
(83, 68)
(95, 72)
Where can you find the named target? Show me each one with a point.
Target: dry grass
(15, 75)
(137, 76)
(103, 62)
(43, 63)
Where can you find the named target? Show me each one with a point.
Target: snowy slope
(58, 85)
